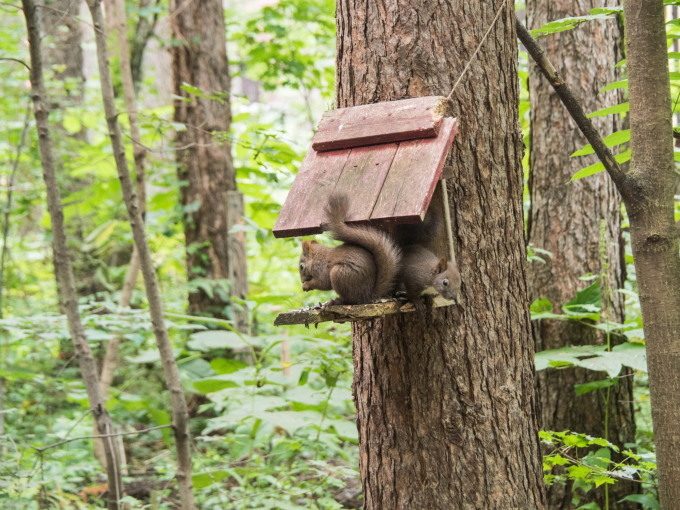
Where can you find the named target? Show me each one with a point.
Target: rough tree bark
(180, 416)
(566, 219)
(647, 190)
(62, 263)
(204, 159)
(446, 407)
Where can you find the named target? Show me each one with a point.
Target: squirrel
(361, 270)
(423, 273)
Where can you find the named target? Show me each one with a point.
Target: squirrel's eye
(445, 283)
(302, 266)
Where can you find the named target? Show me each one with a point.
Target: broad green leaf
(202, 480)
(591, 295)
(614, 139)
(618, 108)
(599, 167)
(582, 389)
(216, 339)
(227, 366)
(213, 384)
(563, 24)
(621, 84)
(646, 500)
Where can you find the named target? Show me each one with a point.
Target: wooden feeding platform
(351, 313)
(387, 158)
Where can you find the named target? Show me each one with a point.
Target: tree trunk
(574, 221)
(180, 416)
(204, 159)
(648, 194)
(62, 263)
(446, 407)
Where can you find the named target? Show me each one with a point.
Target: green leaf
(646, 500)
(591, 295)
(621, 84)
(304, 376)
(227, 366)
(214, 384)
(202, 480)
(599, 167)
(610, 110)
(582, 389)
(563, 24)
(216, 339)
(631, 354)
(614, 139)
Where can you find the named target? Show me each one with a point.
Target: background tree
(215, 258)
(579, 223)
(445, 407)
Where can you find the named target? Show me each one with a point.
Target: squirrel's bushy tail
(385, 251)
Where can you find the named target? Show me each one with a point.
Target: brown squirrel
(363, 269)
(422, 273)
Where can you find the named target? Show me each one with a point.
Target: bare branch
(99, 436)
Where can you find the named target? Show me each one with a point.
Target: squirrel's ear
(441, 266)
(308, 246)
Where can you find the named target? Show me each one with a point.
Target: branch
(17, 60)
(572, 105)
(99, 436)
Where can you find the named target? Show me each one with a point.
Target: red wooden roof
(389, 182)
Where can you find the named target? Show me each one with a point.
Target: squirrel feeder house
(387, 158)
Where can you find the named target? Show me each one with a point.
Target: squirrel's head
(313, 267)
(447, 280)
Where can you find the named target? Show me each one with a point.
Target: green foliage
(563, 24)
(590, 462)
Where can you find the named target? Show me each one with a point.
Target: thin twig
(99, 436)
(17, 60)
(572, 105)
(8, 206)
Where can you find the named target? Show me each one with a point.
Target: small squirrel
(422, 273)
(361, 270)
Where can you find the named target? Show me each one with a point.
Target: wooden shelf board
(350, 313)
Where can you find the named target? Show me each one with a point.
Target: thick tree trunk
(446, 407)
(573, 221)
(648, 193)
(204, 159)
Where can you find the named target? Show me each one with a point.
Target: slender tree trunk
(180, 417)
(580, 224)
(446, 407)
(204, 159)
(648, 193)
(62, 262)
(110, 363)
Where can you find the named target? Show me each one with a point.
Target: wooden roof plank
(363, 176)
(413, 176)
(303, 211)
(378, 123)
